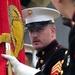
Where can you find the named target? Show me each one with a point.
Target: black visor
(38, 24)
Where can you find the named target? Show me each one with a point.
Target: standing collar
(50, 48)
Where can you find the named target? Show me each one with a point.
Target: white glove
(19, 68)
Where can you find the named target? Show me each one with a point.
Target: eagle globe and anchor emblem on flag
(17, 31)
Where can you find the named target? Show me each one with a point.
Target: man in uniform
(42, 32)
(67, 9)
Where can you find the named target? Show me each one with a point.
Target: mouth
(36, 42)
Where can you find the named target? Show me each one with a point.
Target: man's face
(41, 37)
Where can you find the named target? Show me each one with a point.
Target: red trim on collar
(54, 49)
(52, 41)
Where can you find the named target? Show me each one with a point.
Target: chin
(38, 48)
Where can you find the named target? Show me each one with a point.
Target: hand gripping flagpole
(8, 47)
(8, 52)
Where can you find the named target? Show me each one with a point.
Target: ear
(54, 30)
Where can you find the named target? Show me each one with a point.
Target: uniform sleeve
(72, 42)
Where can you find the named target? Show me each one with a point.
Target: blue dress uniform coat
(72, 46)
(71, 23)
(51, 59)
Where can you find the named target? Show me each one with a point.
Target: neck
(70, 12)
(69, 9)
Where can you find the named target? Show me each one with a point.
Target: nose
(35, 34)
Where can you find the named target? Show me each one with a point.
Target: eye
(39, 29)
(31, 30)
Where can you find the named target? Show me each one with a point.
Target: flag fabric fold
(11, 31)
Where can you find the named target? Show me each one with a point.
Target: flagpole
(8, 52)
(7, 44)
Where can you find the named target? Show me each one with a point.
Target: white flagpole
(8, 47)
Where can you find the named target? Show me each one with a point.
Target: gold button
(38, 68)
(56, 47)
(73, 23)
(62, 61)
(43, 52)
(66, 52)
(67, 64)
(61, 72)
(41, 61)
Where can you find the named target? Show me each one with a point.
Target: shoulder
(66, 63)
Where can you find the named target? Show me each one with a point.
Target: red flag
(11, 31)
(17, 29)
(4, 34)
